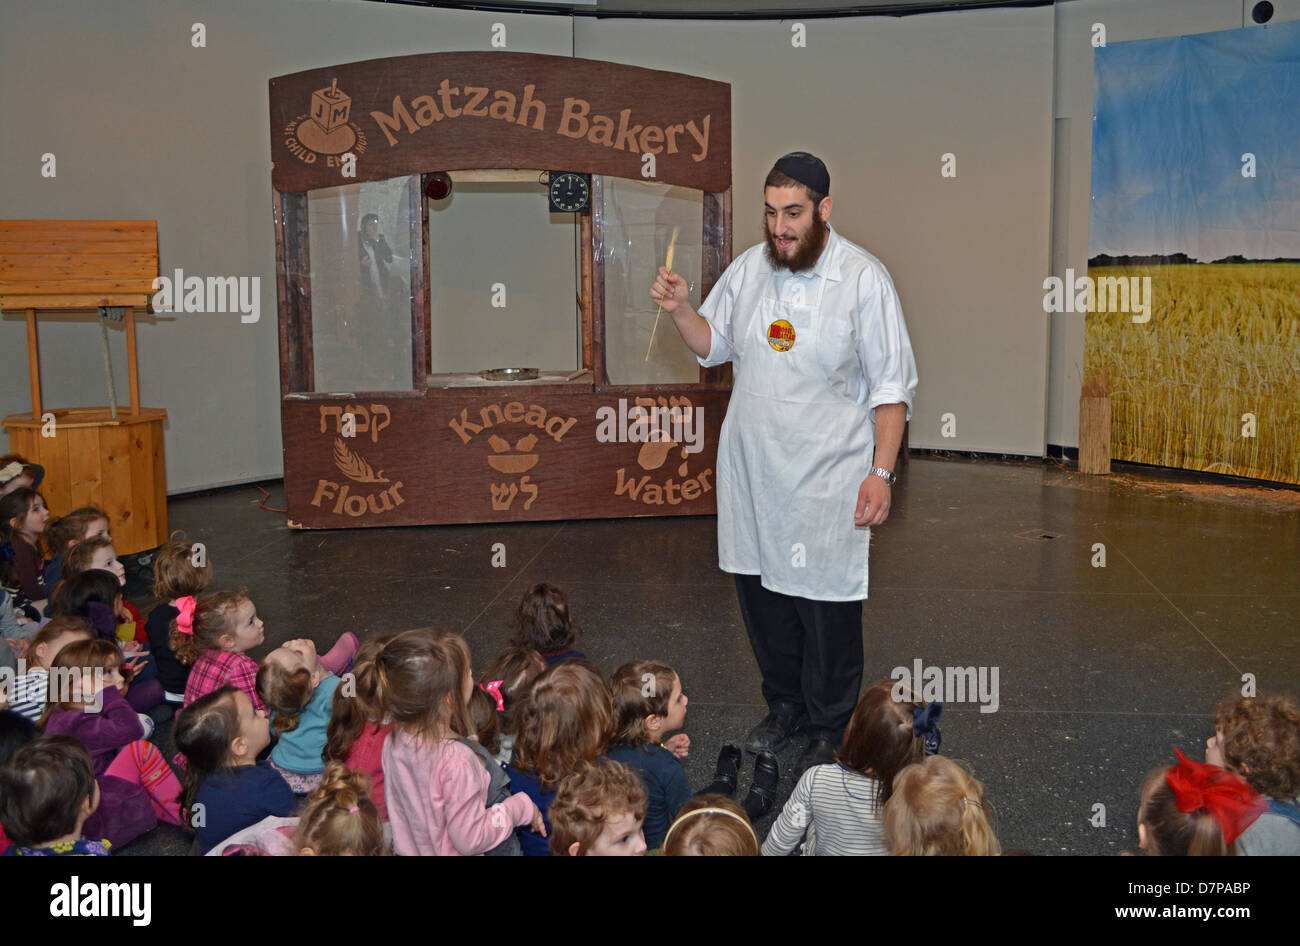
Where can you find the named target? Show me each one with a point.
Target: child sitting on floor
(48, 793)
(938, 808)
(96, 595)
(1258, 738)
(137, 788)
(211, 641)
(839, 807)
(1193, 809)
(649, 704)
(508, 679)
(15, 732)
(542, 622)
(358, 727)
(226, 788)
(598, 812)
(299, 692)
(30, 689)
(566, 719)
(338, 819)
(711, 826)
(435, 785)
(176, 580)
(23, 517)
(65, 532)
(100, 553)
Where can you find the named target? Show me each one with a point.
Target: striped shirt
(29, 692)
(835, 808)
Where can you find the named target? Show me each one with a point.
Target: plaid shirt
(217, 668)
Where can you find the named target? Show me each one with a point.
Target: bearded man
(824, 382)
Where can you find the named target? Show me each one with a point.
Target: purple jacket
(125, 812)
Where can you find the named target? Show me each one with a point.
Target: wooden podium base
(95, 460)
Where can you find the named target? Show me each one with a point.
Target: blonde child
(177, 579)
(226, 789)
(711, 826)
(31, 688)
(598, 812)
(837, 809)
(48, 794)
(339, 818)
(300, 695)
(137, 788)
(649, 704)
(566, 719)
(938, 808)
(435, 786)
(1193, 809)
(358, 726)
(1258, 738)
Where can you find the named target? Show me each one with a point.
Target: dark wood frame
(575, 477)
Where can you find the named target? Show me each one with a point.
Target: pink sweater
(437, 799)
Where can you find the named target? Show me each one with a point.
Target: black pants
(809, 652)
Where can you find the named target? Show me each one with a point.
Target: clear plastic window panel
(638, 224)
(360, 240)
(503, 284)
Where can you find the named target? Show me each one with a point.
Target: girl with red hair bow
(1196, 810)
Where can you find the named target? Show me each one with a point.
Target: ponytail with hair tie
(1232, 802)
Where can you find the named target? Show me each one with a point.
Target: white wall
(145, 126)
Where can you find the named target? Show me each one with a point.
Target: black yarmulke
(807, 169)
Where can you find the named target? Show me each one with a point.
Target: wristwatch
(888, 476)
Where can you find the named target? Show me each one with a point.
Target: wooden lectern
(110, 457)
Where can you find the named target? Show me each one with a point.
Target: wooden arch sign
(450, 111)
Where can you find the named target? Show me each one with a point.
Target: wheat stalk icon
(353, 465)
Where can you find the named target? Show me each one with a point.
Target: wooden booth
(110, 457)
(446, 223)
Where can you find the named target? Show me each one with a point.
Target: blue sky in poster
(1173, 119)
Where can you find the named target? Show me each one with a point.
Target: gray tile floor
(1101, 670)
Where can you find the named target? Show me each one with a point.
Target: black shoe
(762, 791)
(728, 771)
(773, 732)
(819, 752)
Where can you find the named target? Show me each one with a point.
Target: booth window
(359, 237)
(637, 222)
(503, 283)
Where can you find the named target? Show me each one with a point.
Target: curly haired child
(1258, 738)
(598, 811)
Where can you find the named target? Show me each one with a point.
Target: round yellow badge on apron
(780, 335)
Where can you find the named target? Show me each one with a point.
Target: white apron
(793, 453)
